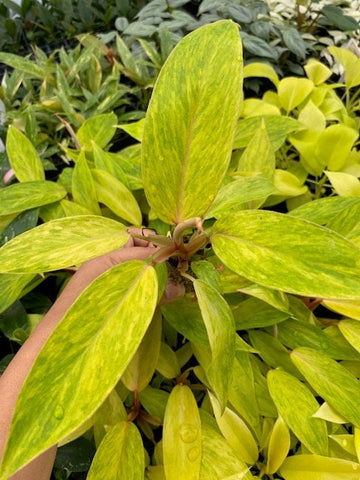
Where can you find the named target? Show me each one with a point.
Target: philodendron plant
(242, 376)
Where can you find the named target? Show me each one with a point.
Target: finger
(139, 242)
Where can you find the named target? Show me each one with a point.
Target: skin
(14, 376)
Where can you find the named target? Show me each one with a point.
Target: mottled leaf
(99, 129)
(315, 467)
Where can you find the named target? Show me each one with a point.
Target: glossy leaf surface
(190, 123)
(296, 405)
(99, 129)
(83, 186)
(182, 436)
(279, 445)
(61, 243)
(334, 383)
(315, 467)
(289, 254)
(82, 360)
(23, 157)
(220, 328)
(120, 455)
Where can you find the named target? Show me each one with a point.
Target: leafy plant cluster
(253, 372)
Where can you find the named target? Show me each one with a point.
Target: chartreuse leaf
(351, 331)
(236, 432)
(110, 413)
(23, 196)
(11, 287)
(134, 129)
(219, 460)
(243, 190)
(347, 222)
(82, 360)
(279, 445)
(182, 169)
(260, 69)
(323, 210)
(289, 254)
(351, 64)
(292, 91)
(138, 373)
(61, 243)
(23, 157)
(83, 186)
(220, 327)
(334, 146)
(329, 414)
(334, 383)
(347, 308)
(109, 162)
(296, 405)
(315, 467)
(167, 364)
(344, 184)
(317, 72)
(120, 455)
(182, 436)
(99, 129)
(112, 193)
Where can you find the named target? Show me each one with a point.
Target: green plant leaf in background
(99, 129)
(182, 435)
(296, 405)
(11, 287)
(79, 354)
(23, 157)
(182, 169)
(293, 255)
(351, 331)
(23, 196)
(83, 186)
(61, 243)
(120, 455)
(334, 383)
(220, 327)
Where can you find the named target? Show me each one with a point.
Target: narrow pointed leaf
(220, 328)
(99, 129)
(120, 455)
(112, 193)
(182, 436)
(61, 243)
(296, 405)
(11, 287)
(191, 120)
(351, 331)
(334, 383)
(315, 467)
(82, 360)
(23, 196)
(289, 254)
(23, 157)
(83, 186)
(279, 445)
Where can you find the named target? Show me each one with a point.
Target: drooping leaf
(315, 467)
(182, 169)
(236, 432)
(182, 436)
(334, 383)
(112, 193)
(82, 369)
(220, 327)
(23, 157)
(83, 186)
(259, 69)
(334, 146)
(120, 455)
(297, 405)
(25, 65)
(21, 223)
(99, 129)
(23, 196)
(289, 254)
(292, 91)
(61, 243)
(279, 445)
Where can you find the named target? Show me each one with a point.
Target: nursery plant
(238, 378)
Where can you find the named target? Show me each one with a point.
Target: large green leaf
(296, 405)
(61, 243)
(315, 467)
(99, 129)
(23, 196)
(191, 120)
(120, 455)
(82, 360)
(23, 157)
(182, 435)
(289, 254)
(334, 383)
(220, 327)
